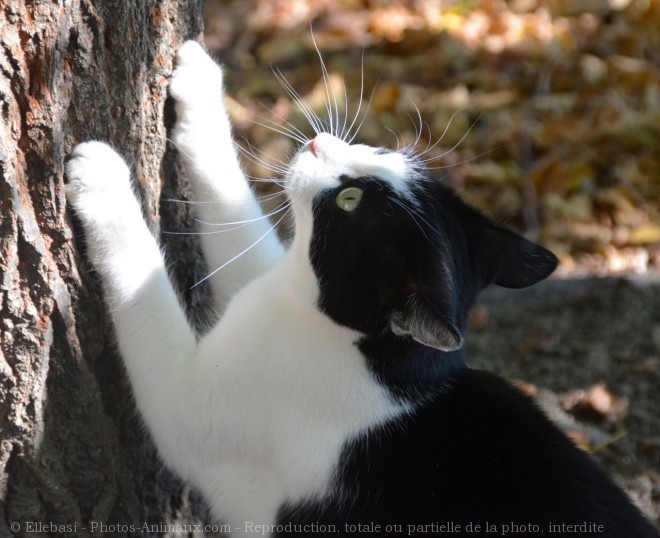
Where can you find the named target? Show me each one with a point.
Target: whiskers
(245, 251)
(337, 121)
(416, 216)
(231, 226)
(263, 160)
(326, 109)
(425, 156)
(279, 212)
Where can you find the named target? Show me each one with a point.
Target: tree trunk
(72, 447)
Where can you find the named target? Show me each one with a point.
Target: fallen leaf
(648, 233)
(596, 404)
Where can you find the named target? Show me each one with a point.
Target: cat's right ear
(432, 323)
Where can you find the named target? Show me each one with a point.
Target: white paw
(98, 178)
(197, 79)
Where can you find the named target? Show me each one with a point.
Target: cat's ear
(495, 253)
(513, 261)
(427, 324)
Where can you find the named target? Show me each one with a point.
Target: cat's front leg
(153, 334)
(230, 217)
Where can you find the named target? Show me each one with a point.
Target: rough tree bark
(72, 449)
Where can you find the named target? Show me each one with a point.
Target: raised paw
(98, 181)
(197, 79)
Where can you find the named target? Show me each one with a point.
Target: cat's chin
(308, 176)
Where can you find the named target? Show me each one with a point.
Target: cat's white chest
(275, 404)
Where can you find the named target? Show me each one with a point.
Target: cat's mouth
(317, 165)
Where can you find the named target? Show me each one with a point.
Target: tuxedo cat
(332, 397)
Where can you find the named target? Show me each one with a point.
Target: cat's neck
(410, 369)
(295, 276)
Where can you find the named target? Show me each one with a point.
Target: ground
(589, 350)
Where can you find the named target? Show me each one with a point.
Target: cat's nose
(311, 146)
(326, 145)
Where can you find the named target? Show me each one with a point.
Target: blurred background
(544, 113)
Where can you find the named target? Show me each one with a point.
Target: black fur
(435, 253)
(476, 451)
(479, 453)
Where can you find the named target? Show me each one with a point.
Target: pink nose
(325, 144)
(313, 146)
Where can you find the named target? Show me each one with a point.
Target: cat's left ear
(512, 261)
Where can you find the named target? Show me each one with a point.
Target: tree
(72, 448)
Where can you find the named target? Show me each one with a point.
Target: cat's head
(394, 250)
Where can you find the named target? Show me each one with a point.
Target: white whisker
(301, 139)
(452, 148)
(273, 195)
(213, 232)
(471, 159)
(412, 215)
(261, 198)
(180, 149)
(290, 126)
(235, 225)
(328, 88)
(357, 113)
(252, 157)
(357, 130)
(282, 207)
(342, 133)
(313, 120)
(240, 253)
(396, 135)
(420, 130)
(280, 168)
(430, 147)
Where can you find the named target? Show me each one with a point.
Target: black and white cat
(333, 393)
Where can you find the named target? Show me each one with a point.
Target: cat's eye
(349, 198)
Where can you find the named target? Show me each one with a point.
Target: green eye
(349, 198)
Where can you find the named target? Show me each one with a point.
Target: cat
(332, 397)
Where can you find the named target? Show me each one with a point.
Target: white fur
(327, 158)
(256, 413)
(203, 137)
